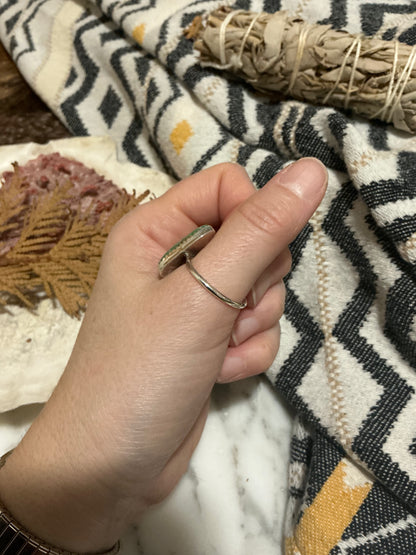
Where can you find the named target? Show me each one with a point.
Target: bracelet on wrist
(16, 540)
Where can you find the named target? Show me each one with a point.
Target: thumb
(261, 227)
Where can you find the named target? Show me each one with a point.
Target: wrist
(57, 501)
(14, 538)
(48, 514)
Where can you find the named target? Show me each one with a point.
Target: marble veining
(233, 498)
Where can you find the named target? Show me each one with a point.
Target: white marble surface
(232, 499)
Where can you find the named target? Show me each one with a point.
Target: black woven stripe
(297, 246)
(267, 115)
(201, 6)
(6, 5)
(183, 48)
(378, 510)
(134, 154)
(163, 34)
(204, 161)
(36, 5)
(175, 94)
(70, 105)
(136, 126)
(149, 4)
(401, 542)
(400, 302)
(309, 141)
(325, 458)
(110, 8)
(372, 14)
(235, 108)
(267, 169)
(302, 357)
(116, 63)
(194, 74)
(242, 5)
(377, 135)
(400, 229)
(338, 17)
(377, 193)
(408, 36)
(142, 65)
(271, 6)
(10, 23)
(244, 153)
(301, 450)
(374, 430)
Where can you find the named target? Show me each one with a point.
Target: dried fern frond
(44, 222)
(14, 280)
(49, 244)
(11, 204)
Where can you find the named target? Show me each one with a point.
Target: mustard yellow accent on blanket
(55, 69)
(138, 33)
(290, 547)
(323, 523)
(180, 135)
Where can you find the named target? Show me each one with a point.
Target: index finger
(207, 197)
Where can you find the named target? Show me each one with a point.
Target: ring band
(211, 288)
(187, 248)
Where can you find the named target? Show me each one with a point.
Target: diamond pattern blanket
(348, 356)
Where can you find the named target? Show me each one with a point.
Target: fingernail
(306, 177)
(244, 329)
(231, 368)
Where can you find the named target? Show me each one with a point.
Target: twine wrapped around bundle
(277, 53)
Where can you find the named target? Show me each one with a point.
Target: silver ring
(211, 288)
(187, 248)
(193, 243)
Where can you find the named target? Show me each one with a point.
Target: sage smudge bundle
(283, 55)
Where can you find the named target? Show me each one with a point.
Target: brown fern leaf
(62, 283)
(79, 239)
(12, 203)
(57, 245)
(13, 282)
(125, 203)
(45, 221)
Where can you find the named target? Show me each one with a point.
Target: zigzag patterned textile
(348, 355)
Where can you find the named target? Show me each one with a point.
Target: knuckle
(273, 304)
(269, 219)
(121, 237)
(231, 168)
(232, 174)
(117, 235)
(286, 262)
(269, 351)
(279, 301)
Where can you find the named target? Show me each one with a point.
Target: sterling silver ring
(211, 288)
(183, 251)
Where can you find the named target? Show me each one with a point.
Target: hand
(120, 427)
